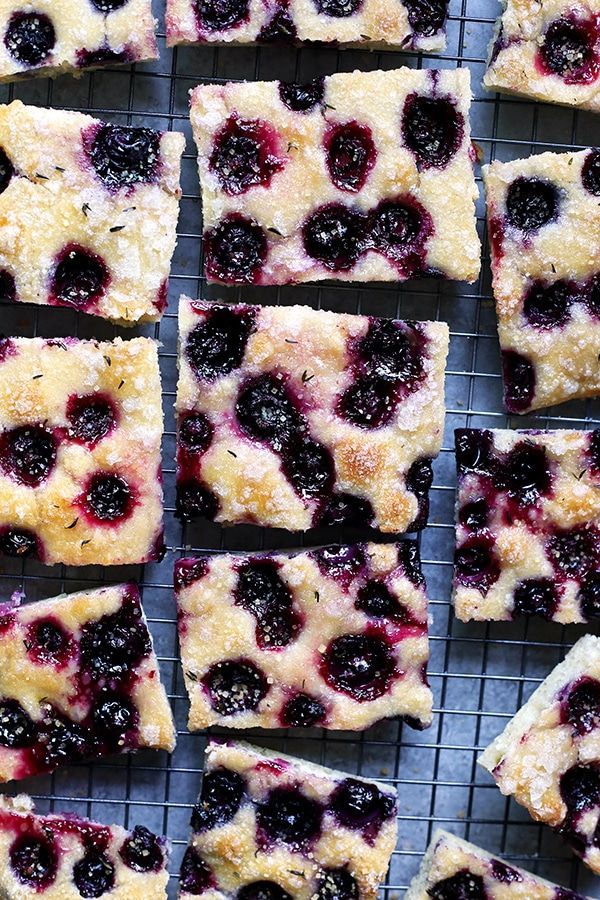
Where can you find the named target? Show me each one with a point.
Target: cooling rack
(480, 674)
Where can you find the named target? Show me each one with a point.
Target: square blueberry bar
(50, 37)
(57, 856)
(454, 869)
(548, 756)
(290, 417)
(79, 680)
(359, 176)
(80, 434)
(400, 24)
(528, 525)
(544, 225)
(335, 638)
(88, 213)
(270, 826)
(549, 51)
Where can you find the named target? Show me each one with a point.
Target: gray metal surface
(480, 674)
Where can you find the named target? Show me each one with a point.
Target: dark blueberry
(519, 377)
(548, 305)
(565, 894)
(376, 600)
(309, 467)
(30, 37)
(235, 250)
(218, 15)
(8, 287)
(216, 346)
(474, 514)
(474, 451)
(589, 596)
(195, 433)
(34, 861)
(336, 884)
(568, 50)
(476, 564)
(94, 874)
(362, 806)
(581, 707)
(531, 203)
(342, 564)
(433, 129)
(279, 30)
(122, 155)
(262, 890)
(399, 229)
(591, 296)
(346, 509)
(302, 97)
(350, 154)
(6, 170)
(16, 728)
(359, 665)
(188, 571)
(338, 9)
(62, 740)
(113, 716)
(408, 558)
(393, 351)
(580, 788)
(48, 642)
(536, 597)
(142, 851)
(195, 501)
(79, 279)
(114, 645)
(195, 876)
(574, 552)
(102, 56)
(28, 454)
(91, 418)
(262, 592)
(19, 542)
(107, 6)
(462, 886)
(418, 481)
(108, 497)
(221, 798)
(427, 17)
(288, 817)
(590, 173)
(244, 154)
(235, 686)
(505, 874)
(302, 711)
(266, 411)
(525, 473)
(334, 235)
(370, 402)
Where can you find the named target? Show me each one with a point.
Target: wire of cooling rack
(480, 674)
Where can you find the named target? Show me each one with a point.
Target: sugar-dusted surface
(88, 213)
(80, 451)
(387, 214)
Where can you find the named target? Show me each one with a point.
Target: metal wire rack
(480, 674)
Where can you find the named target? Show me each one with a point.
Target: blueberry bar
(360, 176)
(400, 24)
(548, 51)
(48, 38)
(269, 825)
(88, 213)
(334, 637)
(547, 758)
(528, 525)
(454, 869)
(59, 856)
(80, 434)
(544, 225)
(79, 680)
(291, 417)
